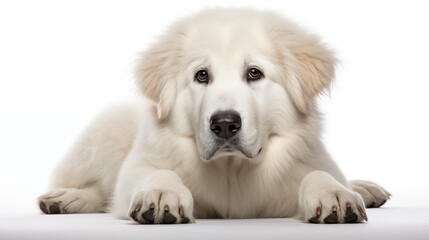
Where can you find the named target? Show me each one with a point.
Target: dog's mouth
(230, 149)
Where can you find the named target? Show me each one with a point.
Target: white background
(61, 62)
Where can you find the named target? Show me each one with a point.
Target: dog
(228, 128)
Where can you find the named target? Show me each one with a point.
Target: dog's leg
(373, 194)
(148, 195)
(323, 199)
(85, 179)
(72, 200)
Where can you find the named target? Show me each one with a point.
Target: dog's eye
(254, 74)
(202, 76)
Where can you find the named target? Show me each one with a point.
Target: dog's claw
(315, 219)
(133, 216)
(168, 218)
(350, 216)
(54, 209)
(148, 216)
(362, 213)
(333, 217)
(381, 203)
(184, 220)
(43, 207)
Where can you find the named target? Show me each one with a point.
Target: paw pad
(52, 209)
(149, 215)
(333, 217)
(315, 219)
(350, 216)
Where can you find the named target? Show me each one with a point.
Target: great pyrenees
(230, 129)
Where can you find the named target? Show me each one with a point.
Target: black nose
(225, 124)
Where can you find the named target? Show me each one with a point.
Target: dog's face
(230, 89)
(231, 79)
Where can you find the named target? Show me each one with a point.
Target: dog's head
(232, 78)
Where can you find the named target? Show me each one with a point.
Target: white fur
(161, 154)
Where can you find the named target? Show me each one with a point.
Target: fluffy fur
(159, 161)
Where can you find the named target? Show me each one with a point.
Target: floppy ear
(157, 71)
(309, 64)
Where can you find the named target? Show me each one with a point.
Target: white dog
(232, 131)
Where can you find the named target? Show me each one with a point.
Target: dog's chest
(237, 189)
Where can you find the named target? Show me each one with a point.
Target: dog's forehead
(229, 37)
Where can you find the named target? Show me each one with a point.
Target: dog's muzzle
(225, 127)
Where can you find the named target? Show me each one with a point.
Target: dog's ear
(157, 71)
(309, 64)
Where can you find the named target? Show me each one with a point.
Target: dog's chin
(227, 150)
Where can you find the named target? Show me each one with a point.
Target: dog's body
(231, 131)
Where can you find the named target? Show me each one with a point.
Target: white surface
(384, 223)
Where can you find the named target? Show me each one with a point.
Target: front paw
(325, 200)
(70, 200)
(373, 194)
(338, 206)
(162, 206)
